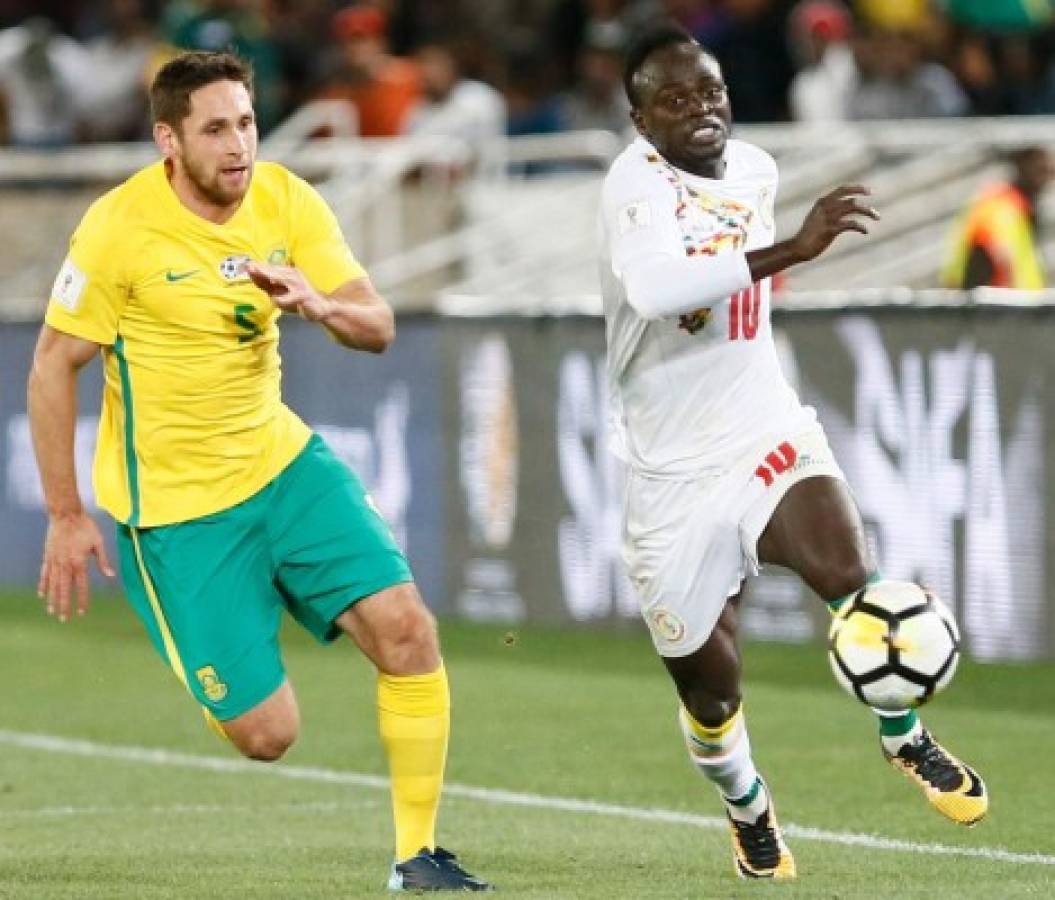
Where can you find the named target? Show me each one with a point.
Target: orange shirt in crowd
(383, 103)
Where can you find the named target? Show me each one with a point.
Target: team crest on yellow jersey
(278, 257)
(233, 268)
(210, 683)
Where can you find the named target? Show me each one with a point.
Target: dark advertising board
(484, 443)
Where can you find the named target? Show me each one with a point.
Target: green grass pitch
(548, 717)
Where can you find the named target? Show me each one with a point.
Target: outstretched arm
(837, 211)
(661, 284)
(72, 535)
(355, 314)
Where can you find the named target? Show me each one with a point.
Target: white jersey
(691, 393)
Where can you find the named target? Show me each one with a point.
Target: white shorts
(688, 545)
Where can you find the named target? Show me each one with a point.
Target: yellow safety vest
(999, 222)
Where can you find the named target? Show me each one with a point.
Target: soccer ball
(894, 645)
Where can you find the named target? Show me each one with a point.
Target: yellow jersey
(192, 420)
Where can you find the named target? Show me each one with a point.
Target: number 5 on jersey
(242, 312)
(744, 313)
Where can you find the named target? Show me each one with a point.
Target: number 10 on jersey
(744, 313)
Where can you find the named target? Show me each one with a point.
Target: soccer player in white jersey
(727, 469)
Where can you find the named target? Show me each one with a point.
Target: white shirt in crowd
(46, 82)
(473, 111)
(821, 93)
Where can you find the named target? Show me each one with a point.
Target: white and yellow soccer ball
(894, 645)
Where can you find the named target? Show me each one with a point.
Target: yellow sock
(414, 713)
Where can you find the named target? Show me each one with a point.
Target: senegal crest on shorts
(666, 624)
(694, 321)
(210, 683)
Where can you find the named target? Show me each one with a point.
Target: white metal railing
(906, 136)
(525, 221)
(111, 162)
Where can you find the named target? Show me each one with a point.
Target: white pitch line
(228, 765)
(62, 812)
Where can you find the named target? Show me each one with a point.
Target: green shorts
(211, 591)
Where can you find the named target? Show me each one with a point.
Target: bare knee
(409, 644)
(264, 744)
(269, 729)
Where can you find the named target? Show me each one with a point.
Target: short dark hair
(180, 77)
(658, 36)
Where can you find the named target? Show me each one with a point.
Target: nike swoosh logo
(171, 276)
(975, 790)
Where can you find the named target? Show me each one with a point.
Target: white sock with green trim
(723, 755)
(897, 728)
(835, 605)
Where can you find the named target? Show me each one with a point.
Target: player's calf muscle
(708, 681)
(841, 579)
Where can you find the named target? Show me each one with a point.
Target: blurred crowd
(77, 70)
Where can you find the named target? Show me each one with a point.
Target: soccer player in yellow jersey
(228, 508)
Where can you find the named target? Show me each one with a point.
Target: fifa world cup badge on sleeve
(69, 285)
(765, 206)
(634, 216)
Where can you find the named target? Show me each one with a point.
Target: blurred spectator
(44, 80)
(705, 20)
(1001, 16)
(756, 59)
(1026, 78)
(898, 82)
(995, 243)
(382, 87)
(1003, 74)
(598, 99)
(819, 34)
(975, 68)
(532, 104)
(554, 59)
(236, 25)
(63, 14)
(121, 58)
(453, 105)
(414, 23)
(297, 28)
(897, 15)
(570, 22)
